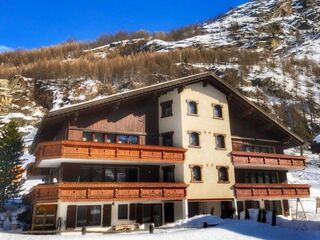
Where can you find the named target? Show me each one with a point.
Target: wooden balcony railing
(108, 151)
(267, 160)
(107, 191)
(256, 191)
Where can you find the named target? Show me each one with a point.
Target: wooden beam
(245, 113)
(181, 88)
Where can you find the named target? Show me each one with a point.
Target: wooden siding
(107, 191)
(252, 159)
(108, 151)
(257, 191)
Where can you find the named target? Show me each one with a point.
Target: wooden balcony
(107, 192)
(257, 191)
(267, 160)
(80, 151)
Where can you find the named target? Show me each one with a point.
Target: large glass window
(88, 216)
(257, 148)
(128, 139)
(121, 175)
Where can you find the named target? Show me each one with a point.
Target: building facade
(161, 153)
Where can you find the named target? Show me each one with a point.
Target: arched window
(220, 142)
(223, 174)
(217, 111)
(196, 174)
(192, 108)
(194, 139)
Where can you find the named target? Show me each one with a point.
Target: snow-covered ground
(226, 229)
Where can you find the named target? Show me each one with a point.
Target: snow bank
(317, 139)
(198, 221)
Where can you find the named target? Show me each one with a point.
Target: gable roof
(293, 139)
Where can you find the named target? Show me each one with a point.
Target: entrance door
(152, 213)
(169, 212)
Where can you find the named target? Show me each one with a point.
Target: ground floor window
(88, 216)
(274, 205)
(152, 213)
(123, 211)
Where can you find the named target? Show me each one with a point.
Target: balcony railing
(107, 191)
(108, 151)
(256, 191)
(267, 160)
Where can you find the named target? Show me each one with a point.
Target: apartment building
(161, 153)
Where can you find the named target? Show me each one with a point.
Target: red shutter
(106, 219)
(71, 216)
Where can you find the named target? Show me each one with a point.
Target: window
(88, 216)
(167, 139)
(192, 108)
(257, 148)
(196, 174)
(220, 142)
(99, 137)
(168, 173)
(217, 111)
(87, 136)
(166, 109)
(111, 138)
(121, 175)
(223, 174)
(123, 211)
(194, 139)
(128, 139)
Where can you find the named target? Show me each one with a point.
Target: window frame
(227, 172)
(88, 209)
(163, 106)
(167, 134)
(126, 212)
(213, 110)
(196, 108)
(190, 134)
(192, 166)
(216, 135)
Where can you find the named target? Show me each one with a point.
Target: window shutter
(106, 222)
(132, 210)
(139, 212)
(71, 216)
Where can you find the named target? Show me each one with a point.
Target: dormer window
(217, 111)
(192, 107)
(166, 109)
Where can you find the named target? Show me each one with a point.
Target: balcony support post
(185, 213)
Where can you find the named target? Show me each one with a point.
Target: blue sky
(36, 23)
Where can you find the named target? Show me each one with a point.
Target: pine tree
(11, 150)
